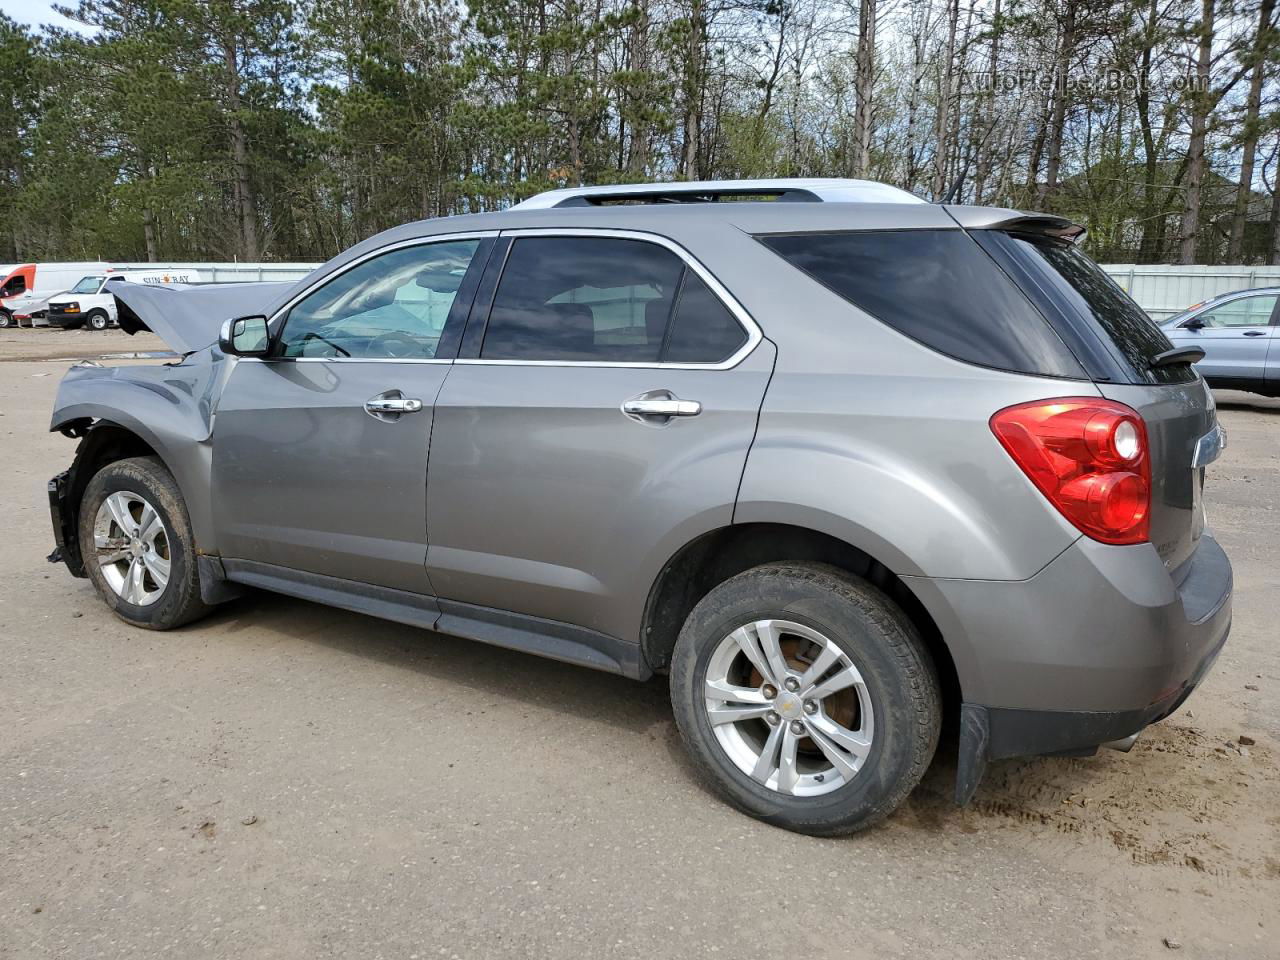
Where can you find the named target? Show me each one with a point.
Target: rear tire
(98, 320)
(849, 740)
(138, 549)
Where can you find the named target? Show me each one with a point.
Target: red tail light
(1089, 457)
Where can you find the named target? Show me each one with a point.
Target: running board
(500, 628)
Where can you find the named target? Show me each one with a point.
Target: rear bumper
(1100, 629)
(1096, 646)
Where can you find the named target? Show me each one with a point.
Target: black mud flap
(975, 750)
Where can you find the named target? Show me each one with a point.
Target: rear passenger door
(598, 418)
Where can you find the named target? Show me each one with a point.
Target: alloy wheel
(789, 707)
(132, 547)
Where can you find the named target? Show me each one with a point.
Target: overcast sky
(36, 12)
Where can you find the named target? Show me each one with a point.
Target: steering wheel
(396, 345)
(312, 335)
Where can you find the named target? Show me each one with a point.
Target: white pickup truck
(90, 303)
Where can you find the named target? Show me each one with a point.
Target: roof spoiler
(1015, 221)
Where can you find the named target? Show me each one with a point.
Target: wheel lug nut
(797, 727)
(773, 718)
(792, 684)
(810, 707)
(769, 691)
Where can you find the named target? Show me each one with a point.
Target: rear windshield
(1067, 283)
(937, 287)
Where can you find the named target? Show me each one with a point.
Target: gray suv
(844, 464)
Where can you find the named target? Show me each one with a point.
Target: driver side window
(392, 306)
(1244, 312)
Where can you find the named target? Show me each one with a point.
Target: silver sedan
(1236, 332)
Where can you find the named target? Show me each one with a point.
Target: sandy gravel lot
(285, 780)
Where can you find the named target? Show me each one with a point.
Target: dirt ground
(285, 780)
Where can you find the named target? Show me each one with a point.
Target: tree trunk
(913, 107)
(983, 170)
(1235, 244)
(1148, 249)
(638, 54)
(1195, 149)
(695, 89)
(1273, 255)
(242, 184)
(1031, 191)
(942, 126)
(1058, 116)
(149, 234)
(864, 84)
(1273, 248)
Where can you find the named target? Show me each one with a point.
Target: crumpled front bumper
(67, 546)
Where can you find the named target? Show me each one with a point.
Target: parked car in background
(839, 461)
(1237, 332)
(90, 304)
(27, 287)
(33, 313)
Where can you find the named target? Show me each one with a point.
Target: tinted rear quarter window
(937, 287)
(1082, 292)
(704, 331)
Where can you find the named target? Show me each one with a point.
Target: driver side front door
(320, 449)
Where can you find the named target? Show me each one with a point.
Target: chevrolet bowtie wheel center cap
(788, 705)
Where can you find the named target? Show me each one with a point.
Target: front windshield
(87, 285)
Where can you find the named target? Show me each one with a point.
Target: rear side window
(937, 287)
(582, 298)
(704, 331)
(1074, 285)
(608, 300)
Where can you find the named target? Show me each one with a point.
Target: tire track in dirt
(1183, 798)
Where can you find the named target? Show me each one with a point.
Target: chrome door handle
(393, 405)
(662, 408)
(388, 406)
(1255, 333)
(658, 407)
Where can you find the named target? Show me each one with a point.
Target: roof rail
(811, 190)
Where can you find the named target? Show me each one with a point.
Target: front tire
(136, 542)
(806, 697)
(98, 320)
(6, 319)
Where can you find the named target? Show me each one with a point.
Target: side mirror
(245, 337)
(1195, 323)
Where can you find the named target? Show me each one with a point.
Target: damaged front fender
(169, 408)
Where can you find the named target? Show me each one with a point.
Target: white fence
(1163, 290)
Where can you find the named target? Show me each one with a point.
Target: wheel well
(100, 444)
(716, 556)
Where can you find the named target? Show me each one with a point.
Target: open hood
(188, 316)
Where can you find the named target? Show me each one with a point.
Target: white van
(89, 301)
(26, 287)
